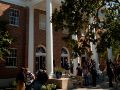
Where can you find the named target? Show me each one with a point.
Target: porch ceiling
(42, 5)
(38, 4)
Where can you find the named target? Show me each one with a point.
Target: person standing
(85, 75)
(29, 79)
(20, 79)
(79, 74)
(94, 73)
(66, 67)
(110, 72)
(41, 79)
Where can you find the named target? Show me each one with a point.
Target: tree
(5, 39)
(111, 35)
(75, 16)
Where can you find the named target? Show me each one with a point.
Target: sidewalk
(103, 84)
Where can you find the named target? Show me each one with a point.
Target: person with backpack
(41, 79)
(29, 79)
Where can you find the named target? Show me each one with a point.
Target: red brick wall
(21, 44)
(19, 33)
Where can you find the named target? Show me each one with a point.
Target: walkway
(101, 85)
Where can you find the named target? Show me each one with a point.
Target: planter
(58, 75)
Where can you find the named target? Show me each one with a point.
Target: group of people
(26, 80)
(87, 73)
(113, 72)
(84, 72)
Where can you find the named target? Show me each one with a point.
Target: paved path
(102, 85)
(90, 89)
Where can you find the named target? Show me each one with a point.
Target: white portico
(45, 5)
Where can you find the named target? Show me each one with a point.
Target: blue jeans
(86, 80)
(37, 85)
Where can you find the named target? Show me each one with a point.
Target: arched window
(64, 51)
(40, 60)
(40, 49)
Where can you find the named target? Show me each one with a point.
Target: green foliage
(116, 49)
(74, 16)
(112, 25)
(13, 83)
(73, 13)
(5, 39)
(49, 87)
(58, 69)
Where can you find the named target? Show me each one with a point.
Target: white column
(49, 39)
(93, 46)
(31, 40)
(75, 64)
(94, 51)
(109, 50)
(95, 56)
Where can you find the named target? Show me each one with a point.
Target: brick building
(36, 44)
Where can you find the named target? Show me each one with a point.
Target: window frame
(14, 19)
(14, 62)
(42, 25)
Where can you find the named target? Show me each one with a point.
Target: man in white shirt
(29, 79)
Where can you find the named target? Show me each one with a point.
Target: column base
(51, 75)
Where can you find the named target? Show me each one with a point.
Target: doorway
(40, 59)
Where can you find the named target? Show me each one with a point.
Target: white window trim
(40, 54)
(18, 18)
(12, 57)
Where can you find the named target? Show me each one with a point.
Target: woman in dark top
(20, 79)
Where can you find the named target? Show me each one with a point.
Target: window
(14, 17)
(42, 21)
(11, 59)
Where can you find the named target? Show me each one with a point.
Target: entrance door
(40, 63)
(63, 61)
(64, 56)
(40, 60)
